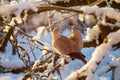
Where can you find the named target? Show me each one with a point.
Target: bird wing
(66, 46)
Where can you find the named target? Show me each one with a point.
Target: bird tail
(78, 55)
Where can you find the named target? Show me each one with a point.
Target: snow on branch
(101, 51)
(17, 8)
(22, 9)
(55, 1)
(102, 14)
(117, 1)
(113, 65)
(13, 66)
(40, 30)
(98, 34)
(31, 6)
(93, 34)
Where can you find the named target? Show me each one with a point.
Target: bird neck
(76, 33)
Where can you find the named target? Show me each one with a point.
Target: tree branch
(6, 39)
(104, 31)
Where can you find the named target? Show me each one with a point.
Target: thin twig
(62, 19)
(32, 50)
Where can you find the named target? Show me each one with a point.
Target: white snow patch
(114, 63)
(50, 66)
(17, 8)
(102, 13)
(54, 1)
(13, 64)
(89, 19)
(81, 17)
(117, 1)
(113, 38)
(10, 76)
(94, 65)
(73, 76)
(92, 34)
(5, 11)
(90, 75)
(40, 30)
(100, 51)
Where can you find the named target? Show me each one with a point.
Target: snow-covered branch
(32, 7)
(102, 13)
(113, 66)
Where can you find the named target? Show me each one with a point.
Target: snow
(90, 75)
(6, 29)
(17, 8)
(117, 1)
(52, 77)
(94, 65)
(37, 19)
(5, 11)
(25, 5)
(22, 5)
(10, 76)
(50, 66)
(54, 1)
(88, 19)
(48, 47)
(40, 31)
(92, 33)
(114, 38)
(101, 52)
(73, 76)
(36, 63)
(114, 63)
(105, 69)
(13, 64)
(102, 13)
(81, 17)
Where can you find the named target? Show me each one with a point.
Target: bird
(66, 46)
(76, 37)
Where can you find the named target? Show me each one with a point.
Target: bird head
(73, 28)
(56, 31)
(55, 35)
